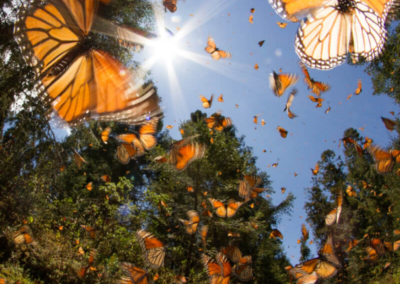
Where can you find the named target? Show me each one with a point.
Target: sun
(165, 48)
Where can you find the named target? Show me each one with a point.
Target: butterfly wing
(243, 272)
(211, 46)
(105, 134)
(147, 138)
(232, 207)
(135, 274)
(185, 152)
(153, 250)
(219, 207)
(389, 124)
(125, 152)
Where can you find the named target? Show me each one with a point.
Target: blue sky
(310, 133)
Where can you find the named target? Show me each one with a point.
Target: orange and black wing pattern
(23, 236)
(280, 82)
(170, 5)
(134, 275)
(214, 270)
(90, 230)
(315, 87)
(389, 124)
(153, 250)
(125, 152)
(184, 152)
(275, 234)
(192, 223)
(216, 53)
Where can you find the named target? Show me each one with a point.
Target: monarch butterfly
(385, 161)
(192, 223)
(221, 98)
(90, 230)
(334, 215)
(366, 185)
(152, 249)
(335, 29)
(206, 103)
(233, 235)
(78, 159)
(371, 254)
(78, 81)
(170, 5)
(106, 178)
(179, 279)
(135, 275)
(261, 43)
(203, 234)
(217, 122)
(367, 143)
(233, 253)
(327, 110)
(23, 236)
(89, 186)
(207, 213)
(289, 103)
(389, 124)
(352, 141)
(184, 152)
(359, 88)
(216, 53)
(256, 66)
(247, 185)
(251, 19)
(392, 246)
(352, 244)
(144, 140)
(276, 234)
(326, 266)
(304, 232)
(218, 272)
(275, 165)
(316, 87)
(255, 192)
(227, 211)
(262, 122)
(283, 134)
(279, 83)
(105, 134)
(243, 272)
(82, 271)
(125, 152)
(315, 171)
(255, 118)
(282, 25)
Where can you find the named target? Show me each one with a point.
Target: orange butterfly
(169, 127)
(334, 215)
(216, 53)
(316, 87)
(233, 252)
(218, 272)
(327, 110)
(367, 143)
(225, 211)
(203, 234)
(282, 131)
(316, 100)
(282, 25)
(352, 141)
(144, 140)
(276, 234)
(89, 186)
(192, 223)
(170, 5)
(78, 159)
(82, 271)
(283, 189)
(261, 43)
(247, 185)
(316, 170)
(79, 81)
(217, 122)
(254, 193)
(184, 152)
(23, 236)
(352, 244)
(90, 230)
(279, 83)
(206, 103)
(153, 250)
(126, 152)
(359, 88)
(385, 160)
(105, 134)
(106, 178)
(389, 124)
(251, 19)
(255, 118)
(304, 232)
(179, 279)
(134, 275)
(221, 99)
(289, 104)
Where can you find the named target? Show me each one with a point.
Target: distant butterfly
(316, 87)
(89, 186)
(221, 99)
(233, 253)
(217, 122)
(23, 236)
(283, 189)
(227, 211)
(289, 104)
(170, 5)
(216, 53)
(247, 185)
(153, 250)
(276, 234)
(78, 159)
(256, 66)
(328, 110)
(251, 19)
(206, 103)
(280, 82)
(192, 223)
(282, 132)
(90, 230)
(359, 88)
(105, 134)
(255, 118)
(169, 126)
(262, 122)
(105, 178)
(261, 43)
(367, 143)
(389, 124)
(352, 141)
(315, 170)
(334, 215)
(316, 100)
(203, 234)
(282, 25)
